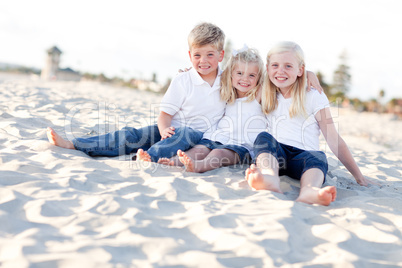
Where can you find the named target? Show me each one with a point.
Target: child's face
(205, 60)
(244, 77)
(283, 69)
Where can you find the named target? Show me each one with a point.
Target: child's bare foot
(258, 181)
(143, 156)
(165, 161)
(57, 140)
(321, 196)
(186, 160)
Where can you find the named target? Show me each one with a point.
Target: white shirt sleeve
(174, 97)
(319, 102)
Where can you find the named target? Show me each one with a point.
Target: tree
(381, 94)
(323, 84)
(342, 77)
(102, 78)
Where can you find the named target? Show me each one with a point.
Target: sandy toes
(322, 196)
(165, 161)
(258, 181)
(310, 195)
(143, 156)
(186, 161)
(57, 140)
(327, 194)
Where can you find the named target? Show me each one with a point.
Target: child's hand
(167, 133)
(312, 81)
(365, 182)
(185, 70)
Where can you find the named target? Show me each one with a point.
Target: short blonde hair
(206, 34)
(228, 92)
(269, 100)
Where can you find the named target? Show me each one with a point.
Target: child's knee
(188, 134)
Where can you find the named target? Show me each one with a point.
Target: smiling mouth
(281, 78)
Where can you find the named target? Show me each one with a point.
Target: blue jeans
(242, 152)
(293, 161)
(129, 140)
(121, 142)
(183, 139)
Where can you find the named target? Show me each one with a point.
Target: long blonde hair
(270, 92)
(228, 92)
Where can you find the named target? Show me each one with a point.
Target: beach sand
(62, 208)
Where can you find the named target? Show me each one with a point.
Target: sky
(138, 38)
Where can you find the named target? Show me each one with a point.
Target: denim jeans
(183, 139)
(129, 140)
(292, 161)
(121, 142)
(242, 152)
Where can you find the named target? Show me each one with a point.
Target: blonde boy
(190, 107)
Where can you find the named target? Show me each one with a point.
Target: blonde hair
(228, 92)
(270, 92)
(206, 34)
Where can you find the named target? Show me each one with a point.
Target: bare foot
(186, 160)
(165, 161)
(174, 161)
(321, 196)
(57, 140)
(259, 181)
(143, 156)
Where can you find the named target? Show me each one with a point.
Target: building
(52, 71)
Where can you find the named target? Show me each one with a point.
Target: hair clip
(235, 52)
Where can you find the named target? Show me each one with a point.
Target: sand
(62, 208)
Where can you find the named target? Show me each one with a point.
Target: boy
(190, 107)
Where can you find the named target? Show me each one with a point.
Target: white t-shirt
(240, 125)
(193, 102)
(301, 132)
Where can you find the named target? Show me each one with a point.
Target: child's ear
(189, 54)
(221, 54)
(301, 71)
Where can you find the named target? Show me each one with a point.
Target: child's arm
(338, 145)
(164, 125)
(312, 81)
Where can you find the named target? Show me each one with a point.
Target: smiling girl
(295, 119)
(232, 141)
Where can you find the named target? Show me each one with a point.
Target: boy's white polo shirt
(193, 102)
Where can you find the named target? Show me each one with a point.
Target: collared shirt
(193, 102)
